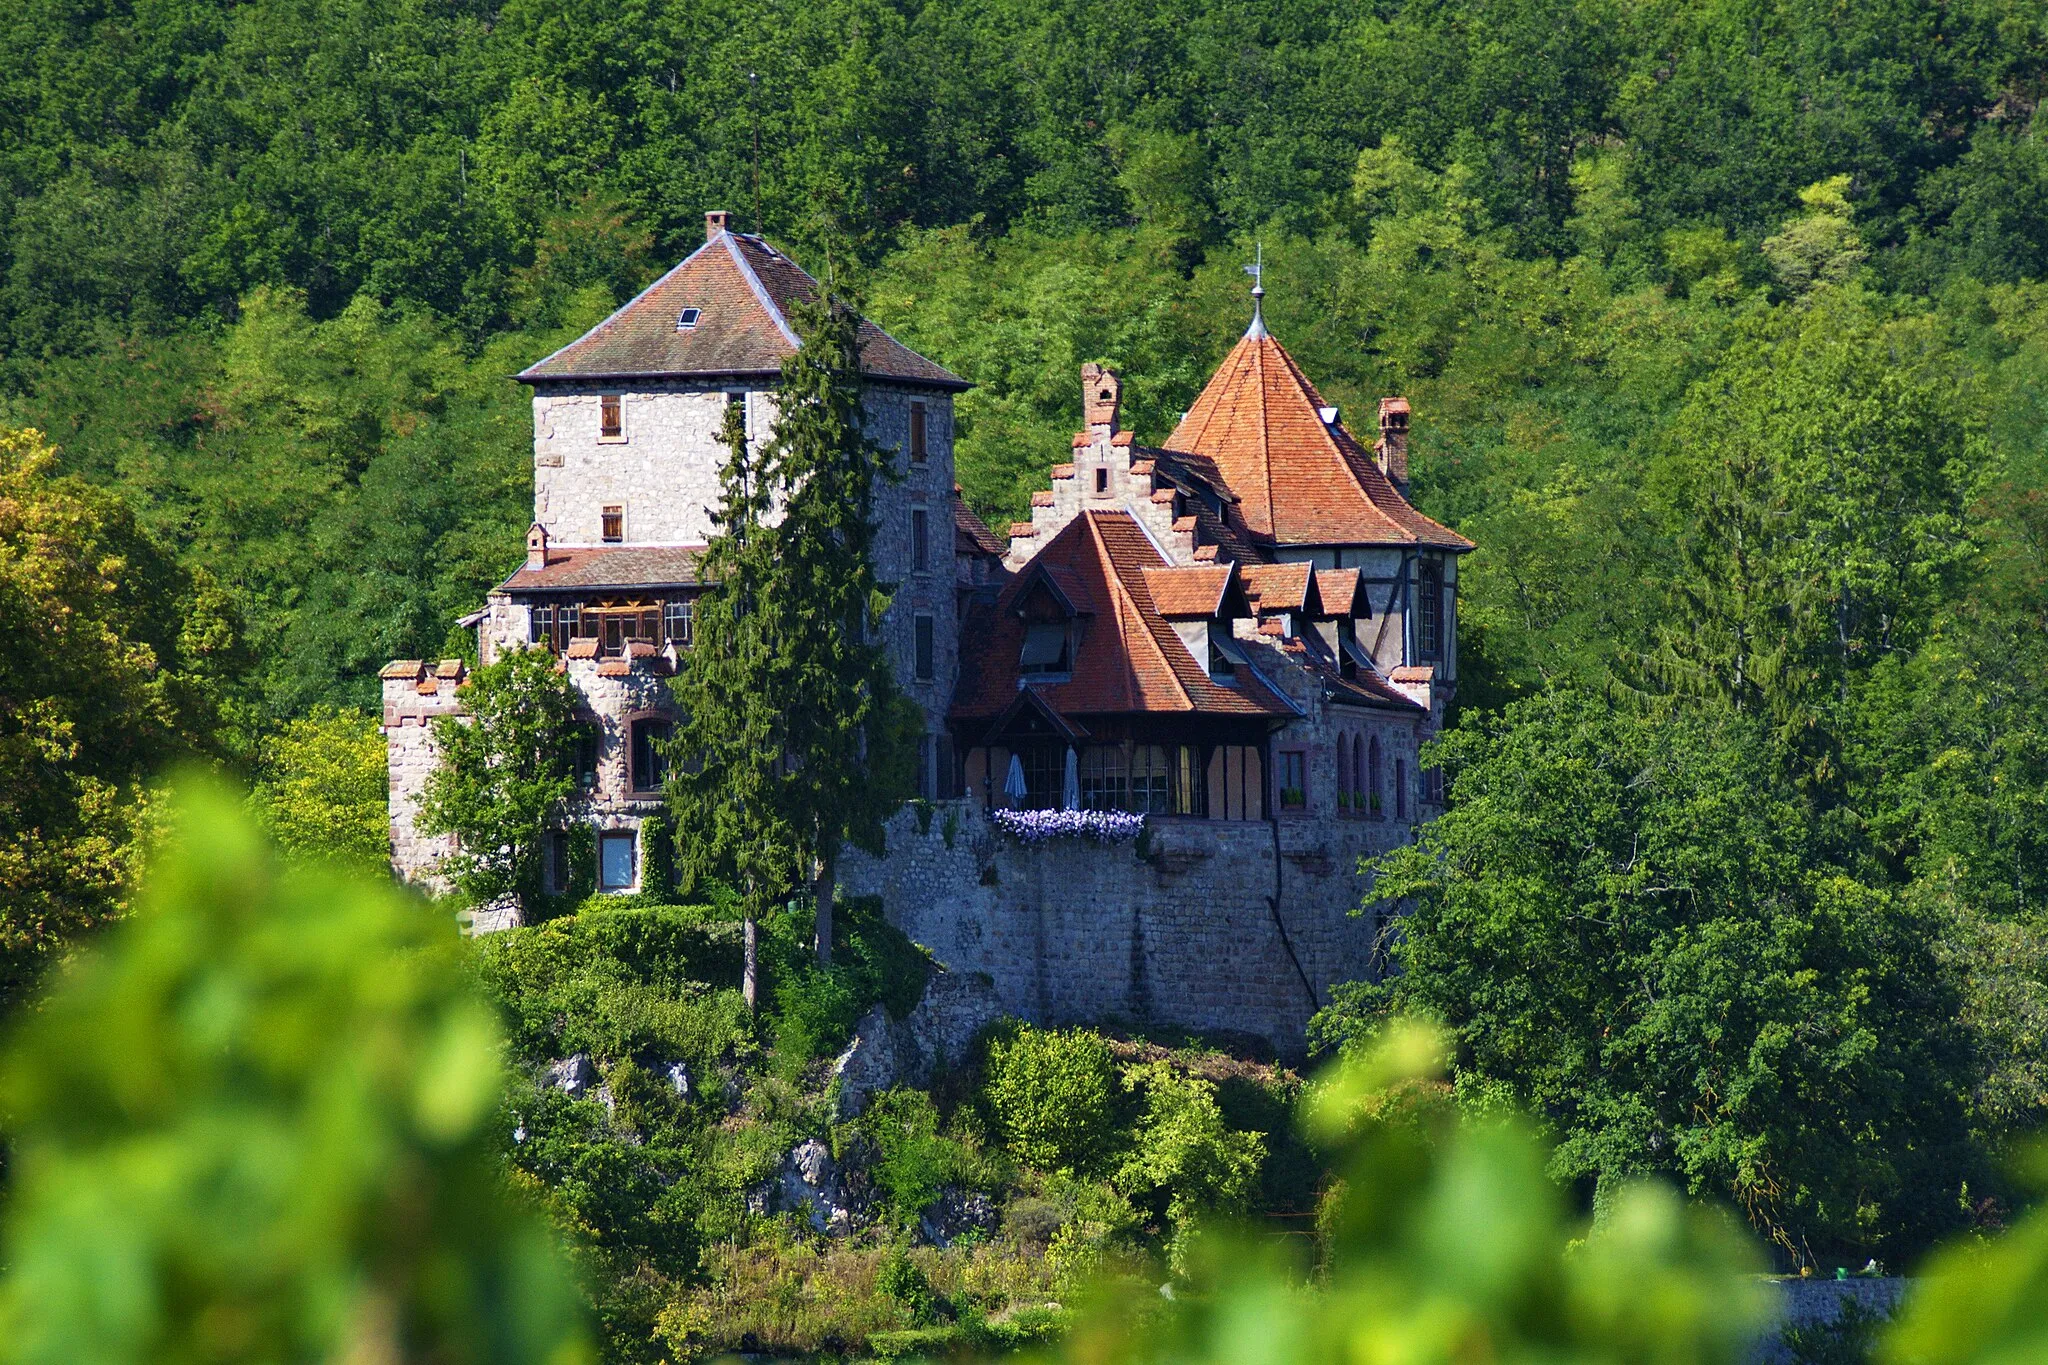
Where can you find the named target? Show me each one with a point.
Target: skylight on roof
(687, 319)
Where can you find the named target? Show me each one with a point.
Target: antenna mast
(754, 103)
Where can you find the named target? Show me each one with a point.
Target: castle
(1244, 634)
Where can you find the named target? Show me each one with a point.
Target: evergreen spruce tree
(793, 740)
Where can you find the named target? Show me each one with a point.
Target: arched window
(1372, 780)
(1343, 770)
(1358, 771)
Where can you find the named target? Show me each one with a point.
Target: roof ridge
(761, 294)
(1145, 618)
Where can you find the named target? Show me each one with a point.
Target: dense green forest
(1726, 328)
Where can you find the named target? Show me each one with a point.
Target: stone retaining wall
(1234, 926)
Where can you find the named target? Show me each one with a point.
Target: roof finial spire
(1257, 270)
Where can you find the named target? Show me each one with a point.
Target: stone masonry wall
(1209, 930)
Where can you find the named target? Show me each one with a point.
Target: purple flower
(1037, 826)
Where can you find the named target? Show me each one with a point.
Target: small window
(611, 422)
(1045, 649)
(542, 625)
(584, 759)
(1293, 775)
(558, 870)
(568, 621)
(677, 620)
(614, 527)
(1102, 478)
(1429, 606)
(925, 640)
(687, 319)
(650, 757)
(616, 855)
(917, 432)
(920, 537)
(1222, 668)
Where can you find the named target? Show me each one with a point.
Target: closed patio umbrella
(1013, 785)
(1070, 797)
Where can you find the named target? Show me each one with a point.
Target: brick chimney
(715, 222)
(1393, 447)
(1101, 395)
(536, 546)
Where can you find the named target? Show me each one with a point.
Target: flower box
(1040, 826)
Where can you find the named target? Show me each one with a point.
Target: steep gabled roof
(1299, 480)
(742, 289)
(1281, 587)
(1130, 660)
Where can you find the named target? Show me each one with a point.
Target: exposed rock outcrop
(889, 1052)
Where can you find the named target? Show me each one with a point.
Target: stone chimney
(536, 546)
(1393, 447)
(1101, 395)
(715, 222)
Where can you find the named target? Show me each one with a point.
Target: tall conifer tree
(793, 741)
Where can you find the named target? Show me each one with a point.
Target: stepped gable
(1129, 659)
(1299, 480)
(742, 289)
(610, 566)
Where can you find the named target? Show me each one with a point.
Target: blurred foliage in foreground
(255, 1125)
(1444, 1240)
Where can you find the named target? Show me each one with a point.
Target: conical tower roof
(1300, 480)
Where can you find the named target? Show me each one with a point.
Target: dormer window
(1045, 649)
(687, 319)
(1222, 667)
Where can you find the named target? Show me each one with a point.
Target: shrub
(1053, 1096)
(915, 1161)
(1186, 1161)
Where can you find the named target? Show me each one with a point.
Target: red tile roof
(1301, 481)
(743, 289)
(610, 566)
(1339, 590)
(1189, 592)
(1279, 587)
(1129, 661)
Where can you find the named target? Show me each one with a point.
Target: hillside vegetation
(1725, 323)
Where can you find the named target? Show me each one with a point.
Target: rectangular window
(584, 759)
(1433, 786)
(1222, 668)
(558, 861)
(616, 856)
(650, 759)
(1293, 779)
(925, 642)
(1045, 649)
(917, 436)
(920, 537)
(568, 621)
(614, 632)
(1429, 606)
(949, 769)
(676, 621)
(1102, 478)
(543, 625)
(1105, 777)
(611, 423)
(1151, 780)
(614, 524)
